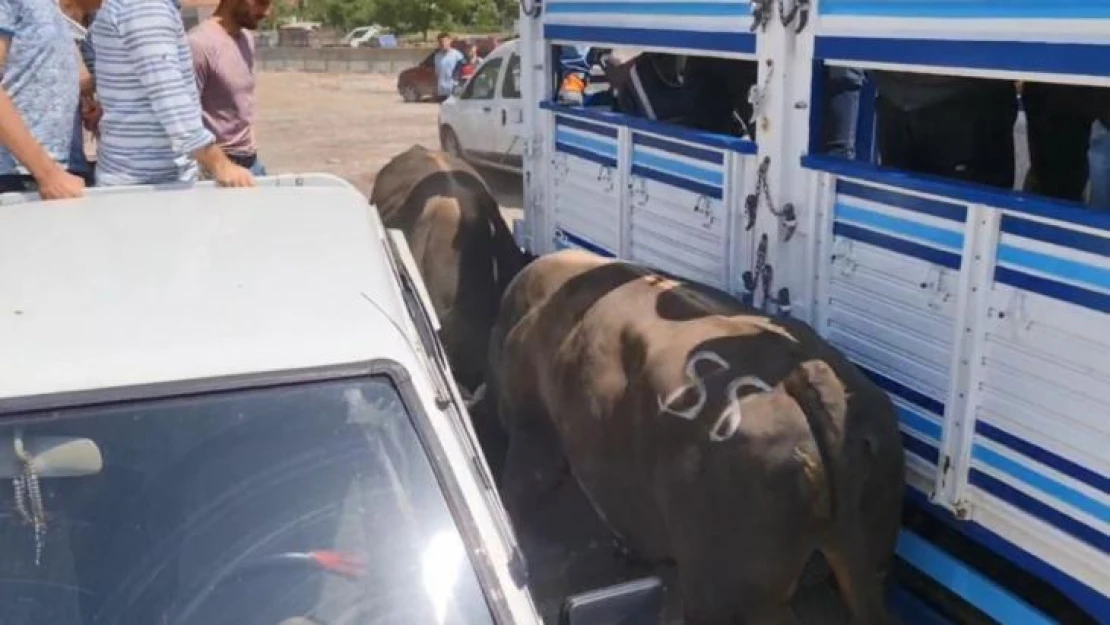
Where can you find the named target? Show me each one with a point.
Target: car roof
(503, 50)
(143, 286)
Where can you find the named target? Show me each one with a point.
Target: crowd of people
(453, 66)
(163, 105)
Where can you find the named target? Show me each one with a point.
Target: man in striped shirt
(151, 130)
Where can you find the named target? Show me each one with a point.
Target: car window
(511, 88)
(315, 499)
(484, 83)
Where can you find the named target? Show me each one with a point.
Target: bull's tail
(822, 397)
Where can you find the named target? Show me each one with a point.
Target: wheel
(450, 142)
(409, 94)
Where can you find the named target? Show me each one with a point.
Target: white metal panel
(679, 221)
(586, 196)
(890, 301)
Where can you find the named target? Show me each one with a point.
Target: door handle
(504, 117)
(486, 109)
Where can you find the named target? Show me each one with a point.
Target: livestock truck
(985, 314)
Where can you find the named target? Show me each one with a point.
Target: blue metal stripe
(919, 422)
(1055, 290)
(1045, 484)
(1096, 604)
(1063, 465)
(936, 208)
(971, 586)
(904, 392)
(899, 246)
(947, 239)
(963, 192)
(599, 146)
(656, 9)
(1064, 237)
(678, 168)
(1040, 510)
(1018, 56)
(589, 246)
(709, 156)
(723, 142)
(585, 154)
(1066, 268)
(1010, 9)
(908, 609)
(677, 182)
(578, 124)
(920, 448)
(730, 41)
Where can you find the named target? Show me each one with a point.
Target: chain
(28, 497)
(761, 14)
(757, 96)
(799, 10)
(786, 215)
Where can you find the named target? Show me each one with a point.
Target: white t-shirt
(446, 62)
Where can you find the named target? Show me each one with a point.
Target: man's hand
(59, 184)
(91, 114)
(229, 174)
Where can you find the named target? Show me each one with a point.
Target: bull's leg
(534, 467)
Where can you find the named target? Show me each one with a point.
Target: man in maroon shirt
(223, 59)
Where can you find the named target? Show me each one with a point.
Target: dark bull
(735, 447)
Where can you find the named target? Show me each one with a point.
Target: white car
(360, 36)
(227, 405)
(484, 121)
(231, 406)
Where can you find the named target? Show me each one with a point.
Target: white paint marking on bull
(693, 381)
(729, 422)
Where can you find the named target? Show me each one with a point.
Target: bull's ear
(834, 397)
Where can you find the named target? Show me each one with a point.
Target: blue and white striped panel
(586, 140)
(1045, 484)
(677, 213)
(720, 26)
(879, 312)
(1054, 261)
(1057, 36)
(586, 199)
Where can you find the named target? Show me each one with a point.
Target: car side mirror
(638, 602)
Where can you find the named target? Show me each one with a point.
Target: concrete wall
(339, 60)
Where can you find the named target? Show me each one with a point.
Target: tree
(343, 14)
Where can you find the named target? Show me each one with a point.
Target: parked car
(231, 406)
(483, 122)
(419, 82)
(360, 36)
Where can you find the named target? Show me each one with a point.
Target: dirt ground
(349, 125)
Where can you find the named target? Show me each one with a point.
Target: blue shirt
(446, 63)
(147, 89)
(40, 76)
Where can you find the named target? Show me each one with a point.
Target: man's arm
(53, 181)
(149, 30)
(201, 62)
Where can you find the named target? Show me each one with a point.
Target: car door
(475, 119)
(509, 121)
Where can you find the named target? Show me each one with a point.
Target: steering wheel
(329, 562)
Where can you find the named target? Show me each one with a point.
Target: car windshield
(315, 501)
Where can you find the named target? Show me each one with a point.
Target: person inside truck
(951, 126)
(1098, 157)
(1060, 121)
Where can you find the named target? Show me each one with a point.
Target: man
(1099, 163)
(223, 60)
(151, 130)
(447, 60)
(38, 99)
(955, 127)
(80, 17)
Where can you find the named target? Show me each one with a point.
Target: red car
(419, 82)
